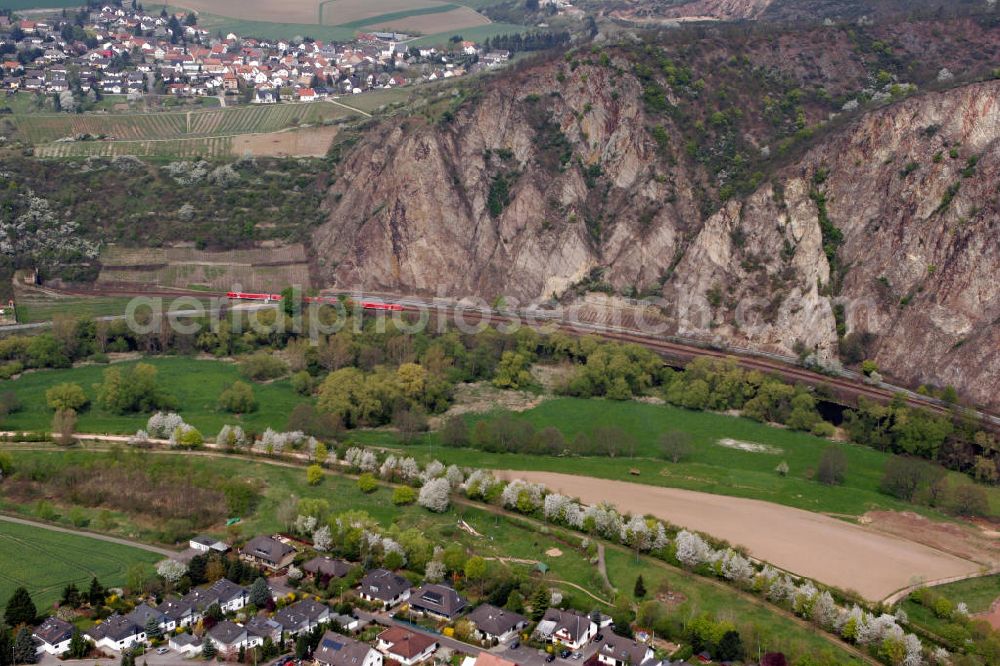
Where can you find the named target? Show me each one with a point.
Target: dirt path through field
(90, 535)
(832, 551)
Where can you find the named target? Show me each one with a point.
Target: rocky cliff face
(879, 242)
(912, 190)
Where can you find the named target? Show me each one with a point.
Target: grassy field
(711, 467)
(501, 537)
(196, 384)
(30, 310)
(45, 562)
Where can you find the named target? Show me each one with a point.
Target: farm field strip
(41, 129)
(46, 561)
(825, 549)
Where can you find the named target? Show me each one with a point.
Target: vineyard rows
(174, 148)
(40, 129)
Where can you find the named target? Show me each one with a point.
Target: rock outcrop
(881, 240)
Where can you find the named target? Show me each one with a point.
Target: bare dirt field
(426, 24)
(314, 142)
(993, 616)
(831, 551)
(965, 541)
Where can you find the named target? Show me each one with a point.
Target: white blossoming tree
(435, 495)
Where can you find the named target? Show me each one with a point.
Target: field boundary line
(86, 533)
(364, 113)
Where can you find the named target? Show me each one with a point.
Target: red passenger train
(268, 298)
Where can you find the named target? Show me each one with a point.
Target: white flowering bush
(692, 550)
(232, 437)
(171, 570)
(188, 173)
(455, 476)
(321, 538)
(435, 495)
(479, 483)
(522, 495)
(162, 425)
(139, 439)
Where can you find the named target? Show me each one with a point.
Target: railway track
(847, 386)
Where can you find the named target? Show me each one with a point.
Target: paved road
(92, 535)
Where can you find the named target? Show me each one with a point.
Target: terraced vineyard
(172, 148)
(192, 133)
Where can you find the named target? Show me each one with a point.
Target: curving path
(92, 535)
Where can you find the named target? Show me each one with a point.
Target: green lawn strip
(978, 593)
(695, 596)
(44, 561)
(711, 467)
(196, 385)
(31, 310)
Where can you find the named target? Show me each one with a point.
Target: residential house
(227, 594)
(337, 650)
(326, 567)
(228, 637)
(384, 587)
(53, 636)
(208, 544)
(116, 633)
(185, 644)
(572, 629)
(405, 646)
(268, 551)
(140, 617)
(347, 622)
(496, 624)
(264, 627)
(438, 600)
(179, 612)
(302, 616)
(617, 650)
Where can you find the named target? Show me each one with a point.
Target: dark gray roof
(337, 650)
(117, 628)
(438, 598)
(383, 584)
(327, 566)
(54, 631)
(263, 626)
(141, 614)
(575, 624)
(267, 548)
(496, 621)
(300, 614)
(175, 609)
(185, 639)
(624, 649)
(219, 592)
(226, 632)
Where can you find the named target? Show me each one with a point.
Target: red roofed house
(405, 646)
